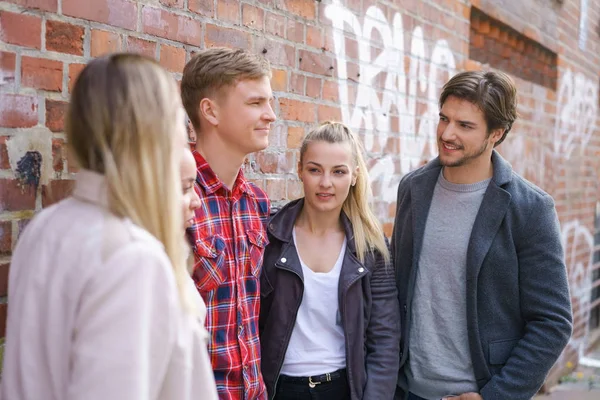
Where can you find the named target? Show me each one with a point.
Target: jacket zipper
(289, 334)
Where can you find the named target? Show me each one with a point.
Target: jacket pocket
(210, 268)
(257, 242)
(500, 350)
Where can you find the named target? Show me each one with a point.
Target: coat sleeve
(383, 334)
(125, 328)
(545, 308)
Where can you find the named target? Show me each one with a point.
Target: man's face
(462, 134)
(245, 114)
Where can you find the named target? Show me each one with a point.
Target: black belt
(314, 380)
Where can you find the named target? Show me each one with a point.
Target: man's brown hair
(212, 69)
(494, 93)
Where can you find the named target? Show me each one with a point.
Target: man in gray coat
(479, 264)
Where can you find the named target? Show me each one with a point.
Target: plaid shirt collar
(210, 182)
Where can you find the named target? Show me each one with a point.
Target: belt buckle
(312, 384)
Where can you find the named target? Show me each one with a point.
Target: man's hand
(465, 396)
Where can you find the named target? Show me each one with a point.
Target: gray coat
(518, 305)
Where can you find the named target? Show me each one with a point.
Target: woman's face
(327, 172)
(191, 201)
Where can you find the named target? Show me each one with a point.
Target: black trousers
(335, 390)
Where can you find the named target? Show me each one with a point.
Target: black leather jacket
(368, 304)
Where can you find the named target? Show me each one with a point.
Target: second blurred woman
(329, 308)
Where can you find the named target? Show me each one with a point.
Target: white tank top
(317, 344)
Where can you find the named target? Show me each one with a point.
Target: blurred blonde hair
(368, 233)
(121, 123)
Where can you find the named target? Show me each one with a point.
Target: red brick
(4, 268)
(4, 160)
(314, 37)
(218, 36)
(331, 91)
(295, 190)
(276, 189)
(295, 110)
(253, 17)
(316, 63)
(55, 114)
(295, 31)
(22, 30)
(172, 3)
(327, 113)
(104, 42)
(8, 62)
(5, 237)
(303, 8)
(279, 80)
(64, 37)
(44, 5)
(228, 11)
(58, 154)
(3, 315)
(120, 13)
(141, 46)
(275, 24)
(313, 87)
(18, 111)
(171, 26)
(74, 71)
(278, 53)
(172, 58)
(275, 163)
(202, 7)
(56, 191)
(16, 197)
(294, 137)
(297, 83)
(41, 73)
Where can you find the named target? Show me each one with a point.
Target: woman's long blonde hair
(121, 123)
(368, 233)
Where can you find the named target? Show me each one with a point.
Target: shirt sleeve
(125, 327)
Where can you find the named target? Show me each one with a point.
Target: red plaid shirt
(229, 237)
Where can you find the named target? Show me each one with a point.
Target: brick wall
(376, 65)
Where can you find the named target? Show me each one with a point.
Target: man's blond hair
(212, 69)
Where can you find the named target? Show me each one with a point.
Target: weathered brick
(18, 111)
(120, 13)
(253, 17)
(228, 11)
(172, 58)
(41, 73)
(313, 87)
(55, 114)
(278, 53)
(22, 30)
(295, 135)
(314, 36)
(303, 8)
(172, 3)
(16, 197)
(58, 154)
(56, 191)
(327, 113)
(276, 189)
(104, 42)
(4, 269)
(316, 63)
(228, 37)
(141, 46)
(275, 24)
(202, 7)
(8, 62)
(64, 37)
(74, 71)
(295, 110)
(5, 239)
(295, 31)
(44, 5)
(171, 26)
(330, 91)
(4, 160)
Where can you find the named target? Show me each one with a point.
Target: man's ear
(209, 110)
(496, 135)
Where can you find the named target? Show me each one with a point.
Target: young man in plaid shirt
(227, 95)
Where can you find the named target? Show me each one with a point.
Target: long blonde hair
(121, 123)
(368, 233)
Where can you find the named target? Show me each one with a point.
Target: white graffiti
(577, 109)
(372, 108)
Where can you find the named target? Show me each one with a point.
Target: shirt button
(284, 260)
(361, 270)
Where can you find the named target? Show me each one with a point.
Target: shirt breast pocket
(210, 269)
(257, 241)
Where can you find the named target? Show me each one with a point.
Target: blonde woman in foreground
(329, 307)
(101, 304)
